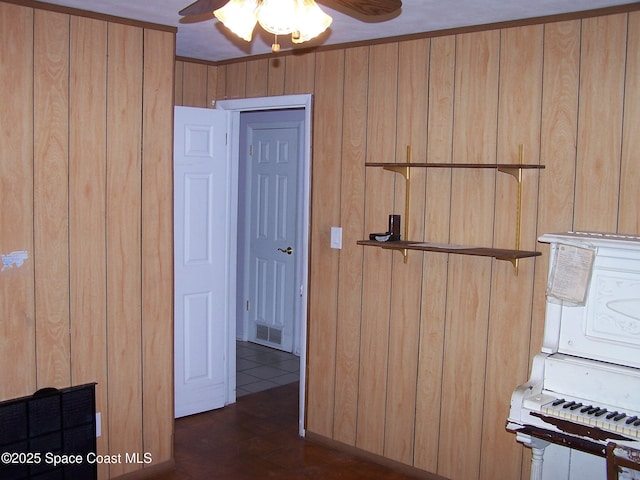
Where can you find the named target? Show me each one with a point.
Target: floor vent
(269, 334)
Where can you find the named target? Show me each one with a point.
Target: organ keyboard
(584, 388)
(585, 413)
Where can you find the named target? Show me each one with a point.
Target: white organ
(584, 387)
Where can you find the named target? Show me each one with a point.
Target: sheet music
(570, 273)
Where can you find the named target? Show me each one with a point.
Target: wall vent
(269, 334)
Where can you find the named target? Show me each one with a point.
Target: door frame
(235, 107)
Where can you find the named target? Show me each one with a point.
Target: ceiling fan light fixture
(311, 21)
(303, 19)
(239, 16)
(278, 16)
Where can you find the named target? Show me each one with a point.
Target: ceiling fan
(363, 7)
(303, 19)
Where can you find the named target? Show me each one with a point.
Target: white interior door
(271, 179)
(201, 259)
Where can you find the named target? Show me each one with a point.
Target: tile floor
(260, 368)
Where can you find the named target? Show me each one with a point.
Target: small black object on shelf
(394, 227)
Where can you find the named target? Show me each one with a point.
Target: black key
(568, 404)
(558, 402)
(575, 407)
(593, 410)
(636, 423)
(630, 420)
(611, 415)
(619, 417)
(587, 408)
(600, 412)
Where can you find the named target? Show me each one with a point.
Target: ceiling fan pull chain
(276, 46)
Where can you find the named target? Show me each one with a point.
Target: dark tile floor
(257, 438)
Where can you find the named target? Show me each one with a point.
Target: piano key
(611, 415)
(630, 420)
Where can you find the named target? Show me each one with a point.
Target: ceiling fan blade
(200, 7)
(369, 7)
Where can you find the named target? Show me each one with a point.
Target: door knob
(287, 250)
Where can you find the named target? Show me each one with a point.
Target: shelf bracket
(516, 172)
(405, 171)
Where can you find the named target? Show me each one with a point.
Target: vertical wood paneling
(275, 79)
(323, 268)
(124, 302)
(87, 211)
(177, 88)
(256, 74)
(520, 98)
(629, 219)
(519, 114)
(157, 243)
(475, 114)
(74, 187)
(602, 65)
(413, 66)
(557, 149)
(381, 118)
(51, 197)
(221, 82)
(436, 226)
(194, 85)
(212, 85)
(471, 221)
(236, 80)
(352, 221)
(17, 325)
(299, 74)
(465, 351)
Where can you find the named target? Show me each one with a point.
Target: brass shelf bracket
(405, 171)
(516, 172)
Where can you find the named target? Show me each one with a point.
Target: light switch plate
(336, 237)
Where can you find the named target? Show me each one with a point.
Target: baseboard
(371, 457)
(149, 472)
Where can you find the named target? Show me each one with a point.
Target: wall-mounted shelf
(513, 169)
(499, 166)
(497, 253)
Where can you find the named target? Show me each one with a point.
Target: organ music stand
(623, 463)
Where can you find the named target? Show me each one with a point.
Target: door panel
(200, 262)
(272, 176)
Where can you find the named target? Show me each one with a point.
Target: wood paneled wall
(416, 362)
(86, 182)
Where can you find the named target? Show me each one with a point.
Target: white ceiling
(206, 39)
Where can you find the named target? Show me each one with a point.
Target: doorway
(269, 219)
(270, 209)
(265, 104)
